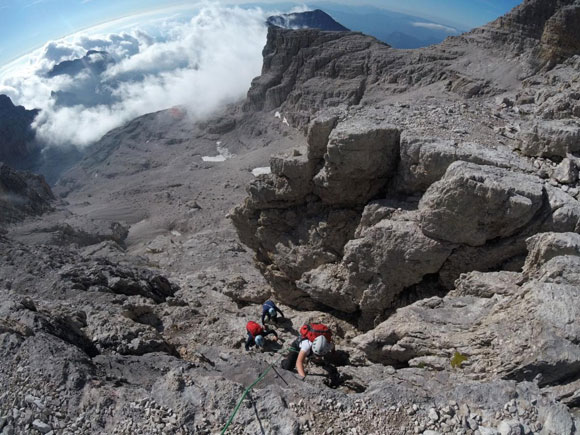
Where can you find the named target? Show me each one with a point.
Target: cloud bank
(434, 26)
(200, 63)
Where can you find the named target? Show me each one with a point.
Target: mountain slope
(423, 204)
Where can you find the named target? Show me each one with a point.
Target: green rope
(247, 390)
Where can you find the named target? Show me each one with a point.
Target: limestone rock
(422, 329)
(543, 247)
(550, 138)
(472, 204)
(561, 37)
(424, 161)
(510, 428)
(294, 63)
(543, 342)
(124, 336)
(390, 257)
(534, 21)
(566, 172)
(486, 284)
(360, 158)
(41, 426)
(564, 213)
(318, 133)
(556, 420)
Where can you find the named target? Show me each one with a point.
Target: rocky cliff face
(22, 194)
(17, 146)
(322, 220)
(550, 25)
(401, 214)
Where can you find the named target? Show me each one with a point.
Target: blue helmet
(259, 341)
(272, 313)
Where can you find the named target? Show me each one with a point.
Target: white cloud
(199, 62)
(298, 9)
(434, 26)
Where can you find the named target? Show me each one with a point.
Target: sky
(27, 24)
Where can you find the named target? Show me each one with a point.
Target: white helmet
(259, 341)
(320, 345)
(272, 313)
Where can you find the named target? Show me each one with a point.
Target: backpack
(254, 328)
(312, 330)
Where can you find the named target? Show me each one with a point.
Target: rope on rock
(247, 390)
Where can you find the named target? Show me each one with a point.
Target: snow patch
(219, 158)
(223, 154)
(261, 171)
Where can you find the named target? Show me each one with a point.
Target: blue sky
(27, 24)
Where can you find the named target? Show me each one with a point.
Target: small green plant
(421, 365)
(458, 359)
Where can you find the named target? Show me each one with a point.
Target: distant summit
(315, 19)
(94, 61)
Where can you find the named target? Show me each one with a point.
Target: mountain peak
(316, 19)
(94, 61)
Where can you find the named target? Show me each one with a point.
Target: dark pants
(289, 362)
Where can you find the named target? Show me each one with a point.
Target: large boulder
(375, 268)
(360, 158)
(425, 160)
(486, 284)
(564, 211)
(543, 247)
(550, 138)
(472, 204)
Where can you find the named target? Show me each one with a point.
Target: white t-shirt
(306, 346)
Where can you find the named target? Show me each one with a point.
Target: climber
(270, 311)
(256, 335)
(315, 342)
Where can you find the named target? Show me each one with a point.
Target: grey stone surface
(554, 138)
(472, 204)
(360, 158)
(477, 326)
(424, 161)
(566, 172)
(145, 334)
